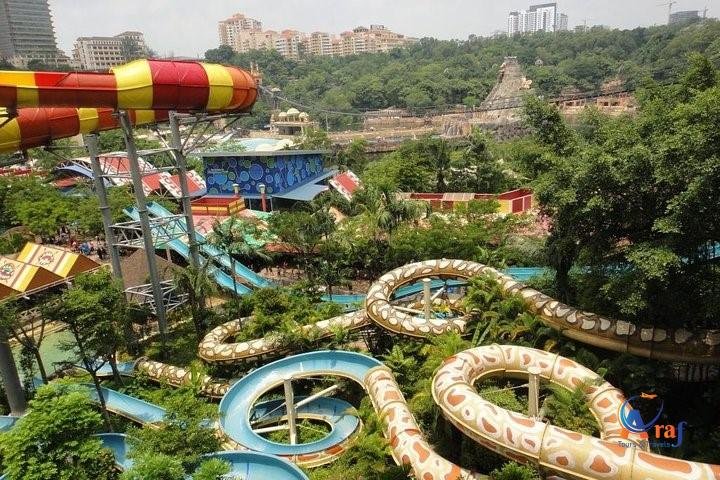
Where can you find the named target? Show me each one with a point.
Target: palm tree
(386, 209)
(238, 238)
(196, 283)
(440, 152)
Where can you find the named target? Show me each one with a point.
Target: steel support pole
(11, 380)
(91, 143)
(534, 392)
(181, 162)
(145, 225)
(290, 409)
(427, 298)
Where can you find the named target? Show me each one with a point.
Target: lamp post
(236, 189)
(261, 188)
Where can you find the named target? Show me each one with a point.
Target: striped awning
(55, 259)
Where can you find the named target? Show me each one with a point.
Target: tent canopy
(57, 260)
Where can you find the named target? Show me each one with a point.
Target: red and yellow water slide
(46, 106)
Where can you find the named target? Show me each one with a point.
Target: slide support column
(427, 297)
(136, 175)
(91, 143)
(290, 409)
(534, 392)
(11, 379)
(181, 162)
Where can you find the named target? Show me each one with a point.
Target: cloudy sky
(189, 27)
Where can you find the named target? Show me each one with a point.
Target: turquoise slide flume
(213, 252)
(236, 407)
(182, 248)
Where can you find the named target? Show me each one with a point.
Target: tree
(55, 439)
(222, 54)
(631, 209)
(439, 151)
(384, 208)
(185, 433)
(548, 126)
(196, 283)
(239, 238)
(477, 169)
(156, 466)
(304, 230)
(213, 469)
(94, 310)
(29, 335)
(354, 157)
(315, 139)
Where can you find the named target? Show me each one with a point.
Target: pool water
(50, 352)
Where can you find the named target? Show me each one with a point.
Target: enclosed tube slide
(35, 127)
(516, 436)
(139, 85)
(519, 437)
(679, 345)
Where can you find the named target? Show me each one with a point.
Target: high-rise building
(244, 34)
(101, 53)
(229, 29)
(26, 32)
(538, 18)
(683, 16)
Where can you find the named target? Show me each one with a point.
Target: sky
(189, 27)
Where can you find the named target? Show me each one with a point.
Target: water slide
(213, 252)
(245, 465)
(516, 436)
(36, 127)
(41, 107)
(182, 248)
(138, 85)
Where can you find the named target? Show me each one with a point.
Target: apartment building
(244, 34)
(27, 33)
(229, 29)
(538, 18)
(102, 53)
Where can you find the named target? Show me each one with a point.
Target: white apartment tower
(538, 18)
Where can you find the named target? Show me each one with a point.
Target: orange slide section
(35, 127)
(40, 107)
(139, 85)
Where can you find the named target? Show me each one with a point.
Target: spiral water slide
(40, 107)
(516, 436)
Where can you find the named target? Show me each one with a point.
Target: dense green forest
(440, 73)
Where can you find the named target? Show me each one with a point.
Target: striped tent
(60, 262)
(25, 278)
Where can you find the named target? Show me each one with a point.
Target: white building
(230, 29)
(101, 53)
(538, 18)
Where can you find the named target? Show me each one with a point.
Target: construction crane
(669, 5)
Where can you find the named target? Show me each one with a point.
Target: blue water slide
(129, 407)
(214, 253)
(259, 466)
(245, 465)
(182, 248)
(126, 369)
(117, 444)
(81, 170)
(7, 422)
(237, 413)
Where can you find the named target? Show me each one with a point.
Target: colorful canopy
(60, 262)
(22, 277)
